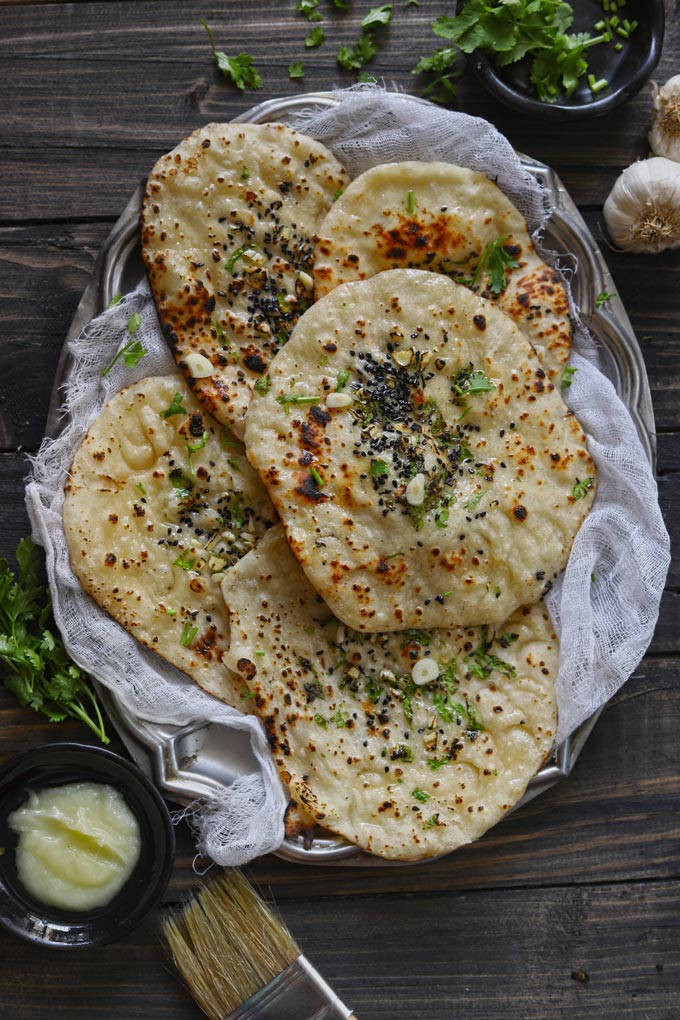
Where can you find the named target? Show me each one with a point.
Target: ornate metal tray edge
(191, 763)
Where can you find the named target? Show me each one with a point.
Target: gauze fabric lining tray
(193, 762)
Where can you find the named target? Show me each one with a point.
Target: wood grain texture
(583, 880)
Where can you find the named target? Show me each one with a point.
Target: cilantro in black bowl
(556, 59)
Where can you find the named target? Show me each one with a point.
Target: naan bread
(404, 771)
(227, 221)
(442, 217)
(160, 502)
(449, 489)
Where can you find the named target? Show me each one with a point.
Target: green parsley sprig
(35, 665)
(240, 69)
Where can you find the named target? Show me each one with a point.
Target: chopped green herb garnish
(420, 795)
(286, 399)
(183, 561)
(442, 67)
(581, 487)
(340, 719)
(309, 9)
(378, 16)
(434, 764)
(431, 822)
(343, 376)
(316, 37)
(140, 489)
(245, 173)
(115, 300)
(321, 720)
(567, 376)
(337, 194)
(474, 500)
(194, 447)
(181, 484)
(262, 384)
(132, 353)
(468, 382)
(378, 469)
(402, 753)
(188, 634)
(410, 202)
(317, 477)
(296, 70)
(239, 69)
(175, 407)
(134, 322)
(259, 653)
(494, 261)
(238, 254)
(602, 298)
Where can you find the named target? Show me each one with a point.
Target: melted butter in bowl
(86, 845)
(78, 844)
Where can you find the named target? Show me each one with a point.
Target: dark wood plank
(501, 955)
(108, 57)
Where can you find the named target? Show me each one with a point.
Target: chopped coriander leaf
(115, 300)
(567, 376)
(181, 484)
(337, 194)
(131, 353)
(342, 5)
(246, 694)
(36, 667)
(194, 447)
(262, 384)
(410, 202)
(366, 78)
(321, 720)
(175, 407)
(140, 489)
(474, 500)
(378, 469)
(316, 37)
(581, 487)
(420, 795)
(188, 634)
(354, 58)
(134, 322)
(286, 399)
(317, 477)
(431, 822)
(402, 753)
(442, 67)
(309, 9)
(434, 764)
(238, 254)
(602, 298)
(245, 173)
(343, 376)
(470, 382)
(340, 719)
(184, 562)
(296, 70)
(378, 16)
(494, 261)
(240, 69)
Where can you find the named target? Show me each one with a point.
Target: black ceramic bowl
(56, 765)
(625, 71)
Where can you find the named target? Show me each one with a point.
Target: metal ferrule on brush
(297, 993)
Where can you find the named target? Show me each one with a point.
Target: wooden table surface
(584, 880)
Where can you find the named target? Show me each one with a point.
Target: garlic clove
(642, 211)
(664, 137)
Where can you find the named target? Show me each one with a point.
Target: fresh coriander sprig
(36, 666)
(240, 69)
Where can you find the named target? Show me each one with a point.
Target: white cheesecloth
(604, 606)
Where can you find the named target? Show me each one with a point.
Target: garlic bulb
(664, 138)
(642, 212)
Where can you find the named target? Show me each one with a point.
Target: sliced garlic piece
(337, 400)
(198, 365)
(415, 491)
(425, 671)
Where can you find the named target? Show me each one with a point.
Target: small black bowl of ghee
(87, 846)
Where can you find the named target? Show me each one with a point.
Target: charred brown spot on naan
(227, 241)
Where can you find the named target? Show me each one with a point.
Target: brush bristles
(227, 945)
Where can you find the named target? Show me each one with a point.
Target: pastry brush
(241, 963)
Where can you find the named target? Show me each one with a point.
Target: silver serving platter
(196, 761)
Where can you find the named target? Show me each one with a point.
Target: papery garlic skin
(642, 212)
(664, 138)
